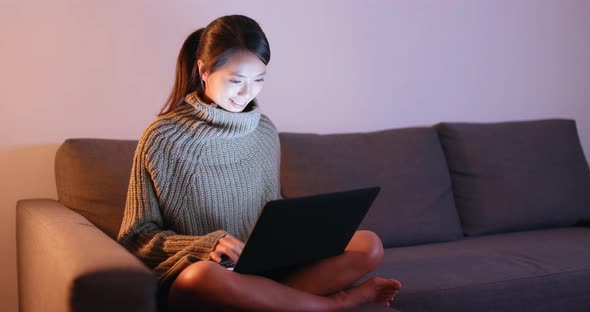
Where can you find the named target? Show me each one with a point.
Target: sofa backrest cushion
(415, 204)
(517, 175)
(92, 177)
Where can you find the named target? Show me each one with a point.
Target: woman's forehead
(244, 64)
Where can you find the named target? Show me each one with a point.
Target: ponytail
(187, 72)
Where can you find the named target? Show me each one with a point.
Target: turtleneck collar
(225, 123)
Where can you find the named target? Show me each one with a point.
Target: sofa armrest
(65, 263)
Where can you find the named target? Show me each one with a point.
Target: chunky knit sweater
(198, 173)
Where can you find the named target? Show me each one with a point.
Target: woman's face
(236, 83)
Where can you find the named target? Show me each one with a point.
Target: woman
(201, 173)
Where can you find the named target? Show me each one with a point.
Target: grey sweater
(198, 173)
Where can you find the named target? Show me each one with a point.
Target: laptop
(292, 232)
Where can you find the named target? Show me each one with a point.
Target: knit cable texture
(199, 172)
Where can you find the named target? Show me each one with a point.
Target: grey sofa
(473, 217)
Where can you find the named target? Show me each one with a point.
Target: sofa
(473, 217)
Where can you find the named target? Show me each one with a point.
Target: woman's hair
(214, 45)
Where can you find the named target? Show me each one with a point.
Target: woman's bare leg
(207, 284)
(361, 256)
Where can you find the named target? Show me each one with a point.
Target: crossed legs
(361, 256)
(316, 287)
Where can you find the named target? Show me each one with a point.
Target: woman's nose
(245, 90)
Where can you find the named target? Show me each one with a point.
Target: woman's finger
(225, 249)
(235, 241)
(233, 244)
(215, 255)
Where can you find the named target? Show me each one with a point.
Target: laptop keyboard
(227, 263)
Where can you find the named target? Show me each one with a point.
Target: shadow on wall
(26, 171)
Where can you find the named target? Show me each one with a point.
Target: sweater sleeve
(142, 231)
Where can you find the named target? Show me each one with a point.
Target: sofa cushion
(540, 270)
(92, 177)
(415, 204)
(517, 175)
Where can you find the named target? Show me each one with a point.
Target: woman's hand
(228, 245)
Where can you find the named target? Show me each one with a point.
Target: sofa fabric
(528, 180)
(65, 263)
(92, 177)
(517, 175)
(415, 204)
(539, 270)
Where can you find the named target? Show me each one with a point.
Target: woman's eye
(237, 81)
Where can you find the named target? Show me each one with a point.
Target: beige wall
(104, 68)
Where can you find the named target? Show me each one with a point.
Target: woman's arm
(142, 231)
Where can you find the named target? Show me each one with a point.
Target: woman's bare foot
(375, 289)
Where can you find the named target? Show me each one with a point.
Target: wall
(104, 68)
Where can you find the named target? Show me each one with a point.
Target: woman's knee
(369, 246)
(191, 285)
(196, 274)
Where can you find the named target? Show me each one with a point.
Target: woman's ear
(202, 75)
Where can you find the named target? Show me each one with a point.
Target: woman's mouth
(238, 104)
